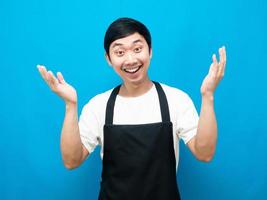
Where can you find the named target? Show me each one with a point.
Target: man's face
(130, 58)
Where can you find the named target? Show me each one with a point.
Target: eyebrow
(120, 44)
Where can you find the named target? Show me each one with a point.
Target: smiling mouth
(132, 70)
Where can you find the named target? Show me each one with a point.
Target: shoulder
(181, 105)
(175, 93)
(98, 102)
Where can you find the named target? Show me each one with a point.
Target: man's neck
(135, 90)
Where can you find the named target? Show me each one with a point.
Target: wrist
(70, 105)
(207, 96)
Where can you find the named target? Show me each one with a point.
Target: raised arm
(72, 150)
(203, 145)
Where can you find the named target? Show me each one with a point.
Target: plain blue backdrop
(67, 36)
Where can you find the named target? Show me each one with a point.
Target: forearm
(71, 146)
(206, 137)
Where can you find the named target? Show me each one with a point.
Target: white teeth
(131, 70)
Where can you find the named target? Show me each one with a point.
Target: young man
(138, 124)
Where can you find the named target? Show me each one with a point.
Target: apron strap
(164, 108)
(110, 105)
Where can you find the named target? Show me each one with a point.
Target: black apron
(139, 161)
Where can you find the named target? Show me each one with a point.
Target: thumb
(60, 78)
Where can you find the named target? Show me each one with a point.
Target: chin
(136, 81)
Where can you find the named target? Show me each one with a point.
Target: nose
(130, 59)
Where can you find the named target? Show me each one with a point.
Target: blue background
(67, 36)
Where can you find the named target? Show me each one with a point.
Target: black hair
(124, 27)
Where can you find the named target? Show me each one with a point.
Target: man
(138, 124)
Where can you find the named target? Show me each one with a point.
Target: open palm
(216, 73)
(58, 85)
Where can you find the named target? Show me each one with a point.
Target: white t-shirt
(139, 110)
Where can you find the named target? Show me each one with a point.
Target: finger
(52, 79)
(42, 70)
(60, 77)
(221, 53)
(224, 59)
(214, 59)
(214, 64)
(224, 53)
(222, 62)
(41, 67)
(220, 72)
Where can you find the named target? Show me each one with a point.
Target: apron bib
(139, 161)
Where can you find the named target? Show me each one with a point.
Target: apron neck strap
(110, 105)
(164, 108)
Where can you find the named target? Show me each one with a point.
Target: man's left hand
(216, 73)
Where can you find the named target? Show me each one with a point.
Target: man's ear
(108, 59)
(150, 53)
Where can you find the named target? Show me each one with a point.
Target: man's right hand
(59, 85)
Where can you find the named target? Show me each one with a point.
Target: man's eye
(137, 50)
(119, 53)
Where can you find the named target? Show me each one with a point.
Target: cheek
(145, 57)
(115, 62)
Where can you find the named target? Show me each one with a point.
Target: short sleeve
(187, 120)
(89, 128)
